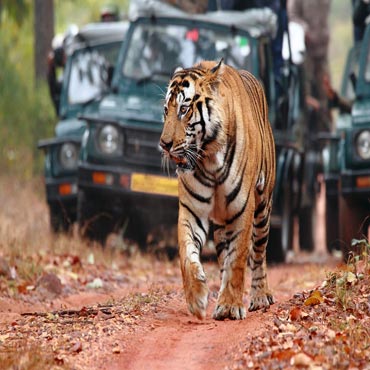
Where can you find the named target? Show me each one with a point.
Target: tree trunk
(43, 35)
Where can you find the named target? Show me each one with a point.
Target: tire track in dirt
(177, 341)
(170, 338)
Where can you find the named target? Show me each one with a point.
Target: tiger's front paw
(196, 291)
(233, 312)
(261, 300)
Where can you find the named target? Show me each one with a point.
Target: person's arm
(295, 13)
(334, 99)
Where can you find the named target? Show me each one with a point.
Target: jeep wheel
(95, 222)
(331, 223)
(60, 219)
(275, 250)
(307, 227)
(353, 222)
(136, 229)
(281, 238)
(287, 229)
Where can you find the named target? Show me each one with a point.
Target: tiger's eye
(183, 109)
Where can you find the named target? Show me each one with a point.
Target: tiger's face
(191, 122)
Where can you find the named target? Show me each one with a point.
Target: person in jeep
(109, 13)
(56, 60)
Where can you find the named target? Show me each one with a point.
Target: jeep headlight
(68, 156)
(110, 140)
(363, 144)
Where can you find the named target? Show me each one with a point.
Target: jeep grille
(142, 147)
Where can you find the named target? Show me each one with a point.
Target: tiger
(216, 129)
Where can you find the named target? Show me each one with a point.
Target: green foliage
(80, 12)
(356, 269)
(341, 38)
(26, 113)
(18, 10)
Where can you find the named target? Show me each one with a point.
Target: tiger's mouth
(178, 160)
(182, 163)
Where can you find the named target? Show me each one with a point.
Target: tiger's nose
(166, 146)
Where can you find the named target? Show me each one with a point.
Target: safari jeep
(347, 156)
(91, 54)
(122, 185)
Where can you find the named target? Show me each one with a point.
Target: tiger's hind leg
(260, 295)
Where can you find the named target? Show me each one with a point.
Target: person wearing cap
(109, 13)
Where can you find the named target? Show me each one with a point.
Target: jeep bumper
(61, 189)
(355, 182)
(153, 195)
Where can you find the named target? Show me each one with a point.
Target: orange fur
(216, 129)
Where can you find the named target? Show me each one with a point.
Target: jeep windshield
(89, 72)
(157, 49)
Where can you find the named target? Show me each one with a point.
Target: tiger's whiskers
(165, 164)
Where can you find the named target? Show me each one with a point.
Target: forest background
(26, 111)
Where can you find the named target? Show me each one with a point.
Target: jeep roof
(258, 22)
(95, 34)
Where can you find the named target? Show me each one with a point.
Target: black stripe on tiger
(226, 244)
(195, 195)
(220, 247)
(208, 105)
(197, 219)
(195, 236)
(233, 194)
(260, 208)
(261, 242)
(262, 223)
(202, 177)
(202, 123)
(229, 158)
(237, 215)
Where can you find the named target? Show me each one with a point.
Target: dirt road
(66, 306)
(175, 340)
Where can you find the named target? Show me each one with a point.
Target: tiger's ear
(178, 69)
(217, 67)
(214, 73)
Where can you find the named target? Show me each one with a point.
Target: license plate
(154, 184)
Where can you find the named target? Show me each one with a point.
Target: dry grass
(25, 231)
(26, 357)
(327, 327)
(30, 250)
(23, 217)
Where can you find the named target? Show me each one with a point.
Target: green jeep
(347, 156)
(122, 185)
(91, 55)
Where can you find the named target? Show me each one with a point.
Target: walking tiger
(216, 130)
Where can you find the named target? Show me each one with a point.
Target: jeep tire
(95, 222)
(353, 222)
(331, 223)
(61, 220)
(307, 227)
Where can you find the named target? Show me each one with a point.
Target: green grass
(341, 38)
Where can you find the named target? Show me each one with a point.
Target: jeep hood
(361, 112)
(71, 127)
(133, 109)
